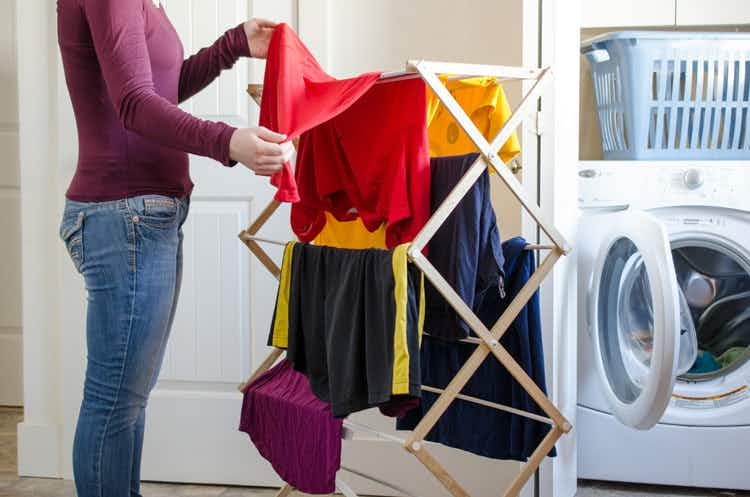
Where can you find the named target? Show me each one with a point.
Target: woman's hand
(258, 32)
(260, 150)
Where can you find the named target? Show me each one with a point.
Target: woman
(128, 199)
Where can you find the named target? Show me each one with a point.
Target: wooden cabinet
(641, 13)
(714, 13)
(633, 13)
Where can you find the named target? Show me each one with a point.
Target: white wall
(383, 35)
(10, 214)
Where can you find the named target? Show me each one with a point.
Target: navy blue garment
(472, 427)
(465, 250)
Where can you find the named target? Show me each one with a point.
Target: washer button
(693, 179)
(136, 219)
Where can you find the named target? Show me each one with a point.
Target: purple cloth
(293, 429)
(124, 67)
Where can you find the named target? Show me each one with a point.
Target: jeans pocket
(71, 233)
(158, 211)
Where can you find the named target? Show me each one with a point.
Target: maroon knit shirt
(125, 72)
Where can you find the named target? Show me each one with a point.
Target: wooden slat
(532, 464)
(263, 217)
(434, 467)
(448, 205)
(521, 111)
(255, 91)
(264, 366)
(445, 399)
(285, 491)
(263, 257)
(524, 294)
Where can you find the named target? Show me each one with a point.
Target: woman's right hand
(260, 150)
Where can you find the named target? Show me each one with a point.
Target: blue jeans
(129, 252)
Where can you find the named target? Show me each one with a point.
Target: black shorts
(351, 320)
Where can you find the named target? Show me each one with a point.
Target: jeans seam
(134, 280)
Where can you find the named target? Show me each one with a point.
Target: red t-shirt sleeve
(118, 33)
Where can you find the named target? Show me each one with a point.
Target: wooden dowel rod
(539, 247)
(493, 405)
(264, 258)
(246, 237)
(510, 72)
(434, 467)
(353, 425)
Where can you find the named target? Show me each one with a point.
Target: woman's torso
(114, 162)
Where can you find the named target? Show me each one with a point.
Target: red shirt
(298, 95)
(363, 148)
(125, 72)
(371, 160)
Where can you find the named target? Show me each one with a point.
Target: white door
(226, 301)
(224, 309)
(637, 316)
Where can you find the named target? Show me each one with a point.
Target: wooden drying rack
(488, 341)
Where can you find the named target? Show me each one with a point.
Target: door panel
(226, 298)
(634, 309)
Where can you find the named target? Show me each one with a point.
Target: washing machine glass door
(634, 316)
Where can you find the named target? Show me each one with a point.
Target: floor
(13, 486)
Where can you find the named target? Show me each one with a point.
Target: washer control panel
(652, 184)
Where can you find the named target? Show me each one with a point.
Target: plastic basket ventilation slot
(610, 107)
(699, 105)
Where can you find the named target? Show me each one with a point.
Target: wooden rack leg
(533, 463)
(285, 491)
(434, 467)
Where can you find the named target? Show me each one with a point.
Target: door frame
(559, 33)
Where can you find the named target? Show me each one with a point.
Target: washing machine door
(634, 316)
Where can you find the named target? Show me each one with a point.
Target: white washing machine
(664, 313)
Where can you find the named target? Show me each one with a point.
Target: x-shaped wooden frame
(490, 338)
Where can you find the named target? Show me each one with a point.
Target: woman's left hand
(258, 33)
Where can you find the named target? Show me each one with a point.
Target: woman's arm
(200, 69)
(117, 29)
(249, 39)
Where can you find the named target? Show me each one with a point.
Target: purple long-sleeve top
(126, 73)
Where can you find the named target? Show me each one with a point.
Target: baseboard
(11, 368)
(39, 450)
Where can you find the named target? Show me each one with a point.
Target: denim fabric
(129, 252)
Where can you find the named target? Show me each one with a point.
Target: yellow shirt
(484, 102)
(349, 234)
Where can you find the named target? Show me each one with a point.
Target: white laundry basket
(672, 95)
